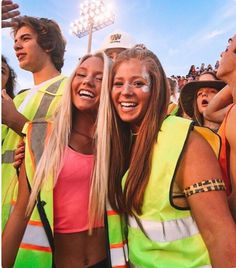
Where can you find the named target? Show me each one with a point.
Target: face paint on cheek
(145, 88)
(146, 76)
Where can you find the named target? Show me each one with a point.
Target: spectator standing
(223, 102)
(117, 42)
(202, 68)
(39, 47)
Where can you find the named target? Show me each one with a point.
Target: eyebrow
(22, 36)
(85, 69)
(133, 77)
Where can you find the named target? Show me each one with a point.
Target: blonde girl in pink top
(79, 172)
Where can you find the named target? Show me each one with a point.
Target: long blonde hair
(52, 157)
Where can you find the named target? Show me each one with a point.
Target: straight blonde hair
(59, 139)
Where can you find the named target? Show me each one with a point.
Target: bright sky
(180, 33)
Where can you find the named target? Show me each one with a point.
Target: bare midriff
(79, 250)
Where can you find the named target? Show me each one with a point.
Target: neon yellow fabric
(117, 240)
(42, 104)
(35, 250)
(174, 240)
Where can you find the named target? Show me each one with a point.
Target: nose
(17, 46)
(204, 93)
(222, 53)
(88, 80)
(127, 90)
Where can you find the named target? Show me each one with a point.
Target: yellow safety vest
(41, 105)
(37, 243)
(173, 238)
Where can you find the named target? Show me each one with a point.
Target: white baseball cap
(118, 39)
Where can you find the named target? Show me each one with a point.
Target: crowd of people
(116, 165)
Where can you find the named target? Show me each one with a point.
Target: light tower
(94, 15)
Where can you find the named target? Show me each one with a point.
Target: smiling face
(204, 96)
(30, 55)
(131, 91)
(86, 84)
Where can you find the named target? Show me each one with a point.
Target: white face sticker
(146, 76)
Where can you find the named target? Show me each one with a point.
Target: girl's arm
(17, 222)
(210, 209)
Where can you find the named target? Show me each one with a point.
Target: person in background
(39, 47)
(174, 96)
(8, 78)
(195, 96)
(58, 214)
(225, 102)
(192, 71)
(117, 42)
(209, 68)
(216, 65)
(170, 198)
(202, 68)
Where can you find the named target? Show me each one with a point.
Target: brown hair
(140, 161)
(49, 37)
(197, 116)
(11, 81)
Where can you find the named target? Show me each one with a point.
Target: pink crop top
(71, 193)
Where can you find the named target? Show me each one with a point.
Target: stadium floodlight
(94, 15)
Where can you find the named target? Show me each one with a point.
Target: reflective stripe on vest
(37, 139)
(35, 237)
(35, 250)
(8, 156)
(117, 255)
(48, 97)
(163, 231)
(118, 246)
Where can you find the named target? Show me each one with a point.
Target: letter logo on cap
(115, 38)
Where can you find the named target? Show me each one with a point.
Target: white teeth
(86, 93)
(128, 104)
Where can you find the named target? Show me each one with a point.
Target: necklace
(82, 134)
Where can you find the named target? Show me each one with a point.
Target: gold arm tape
(205, 186)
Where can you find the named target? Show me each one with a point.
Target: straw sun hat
(190, 89)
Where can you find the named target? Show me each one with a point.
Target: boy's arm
(10, 116)
(219, 105)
